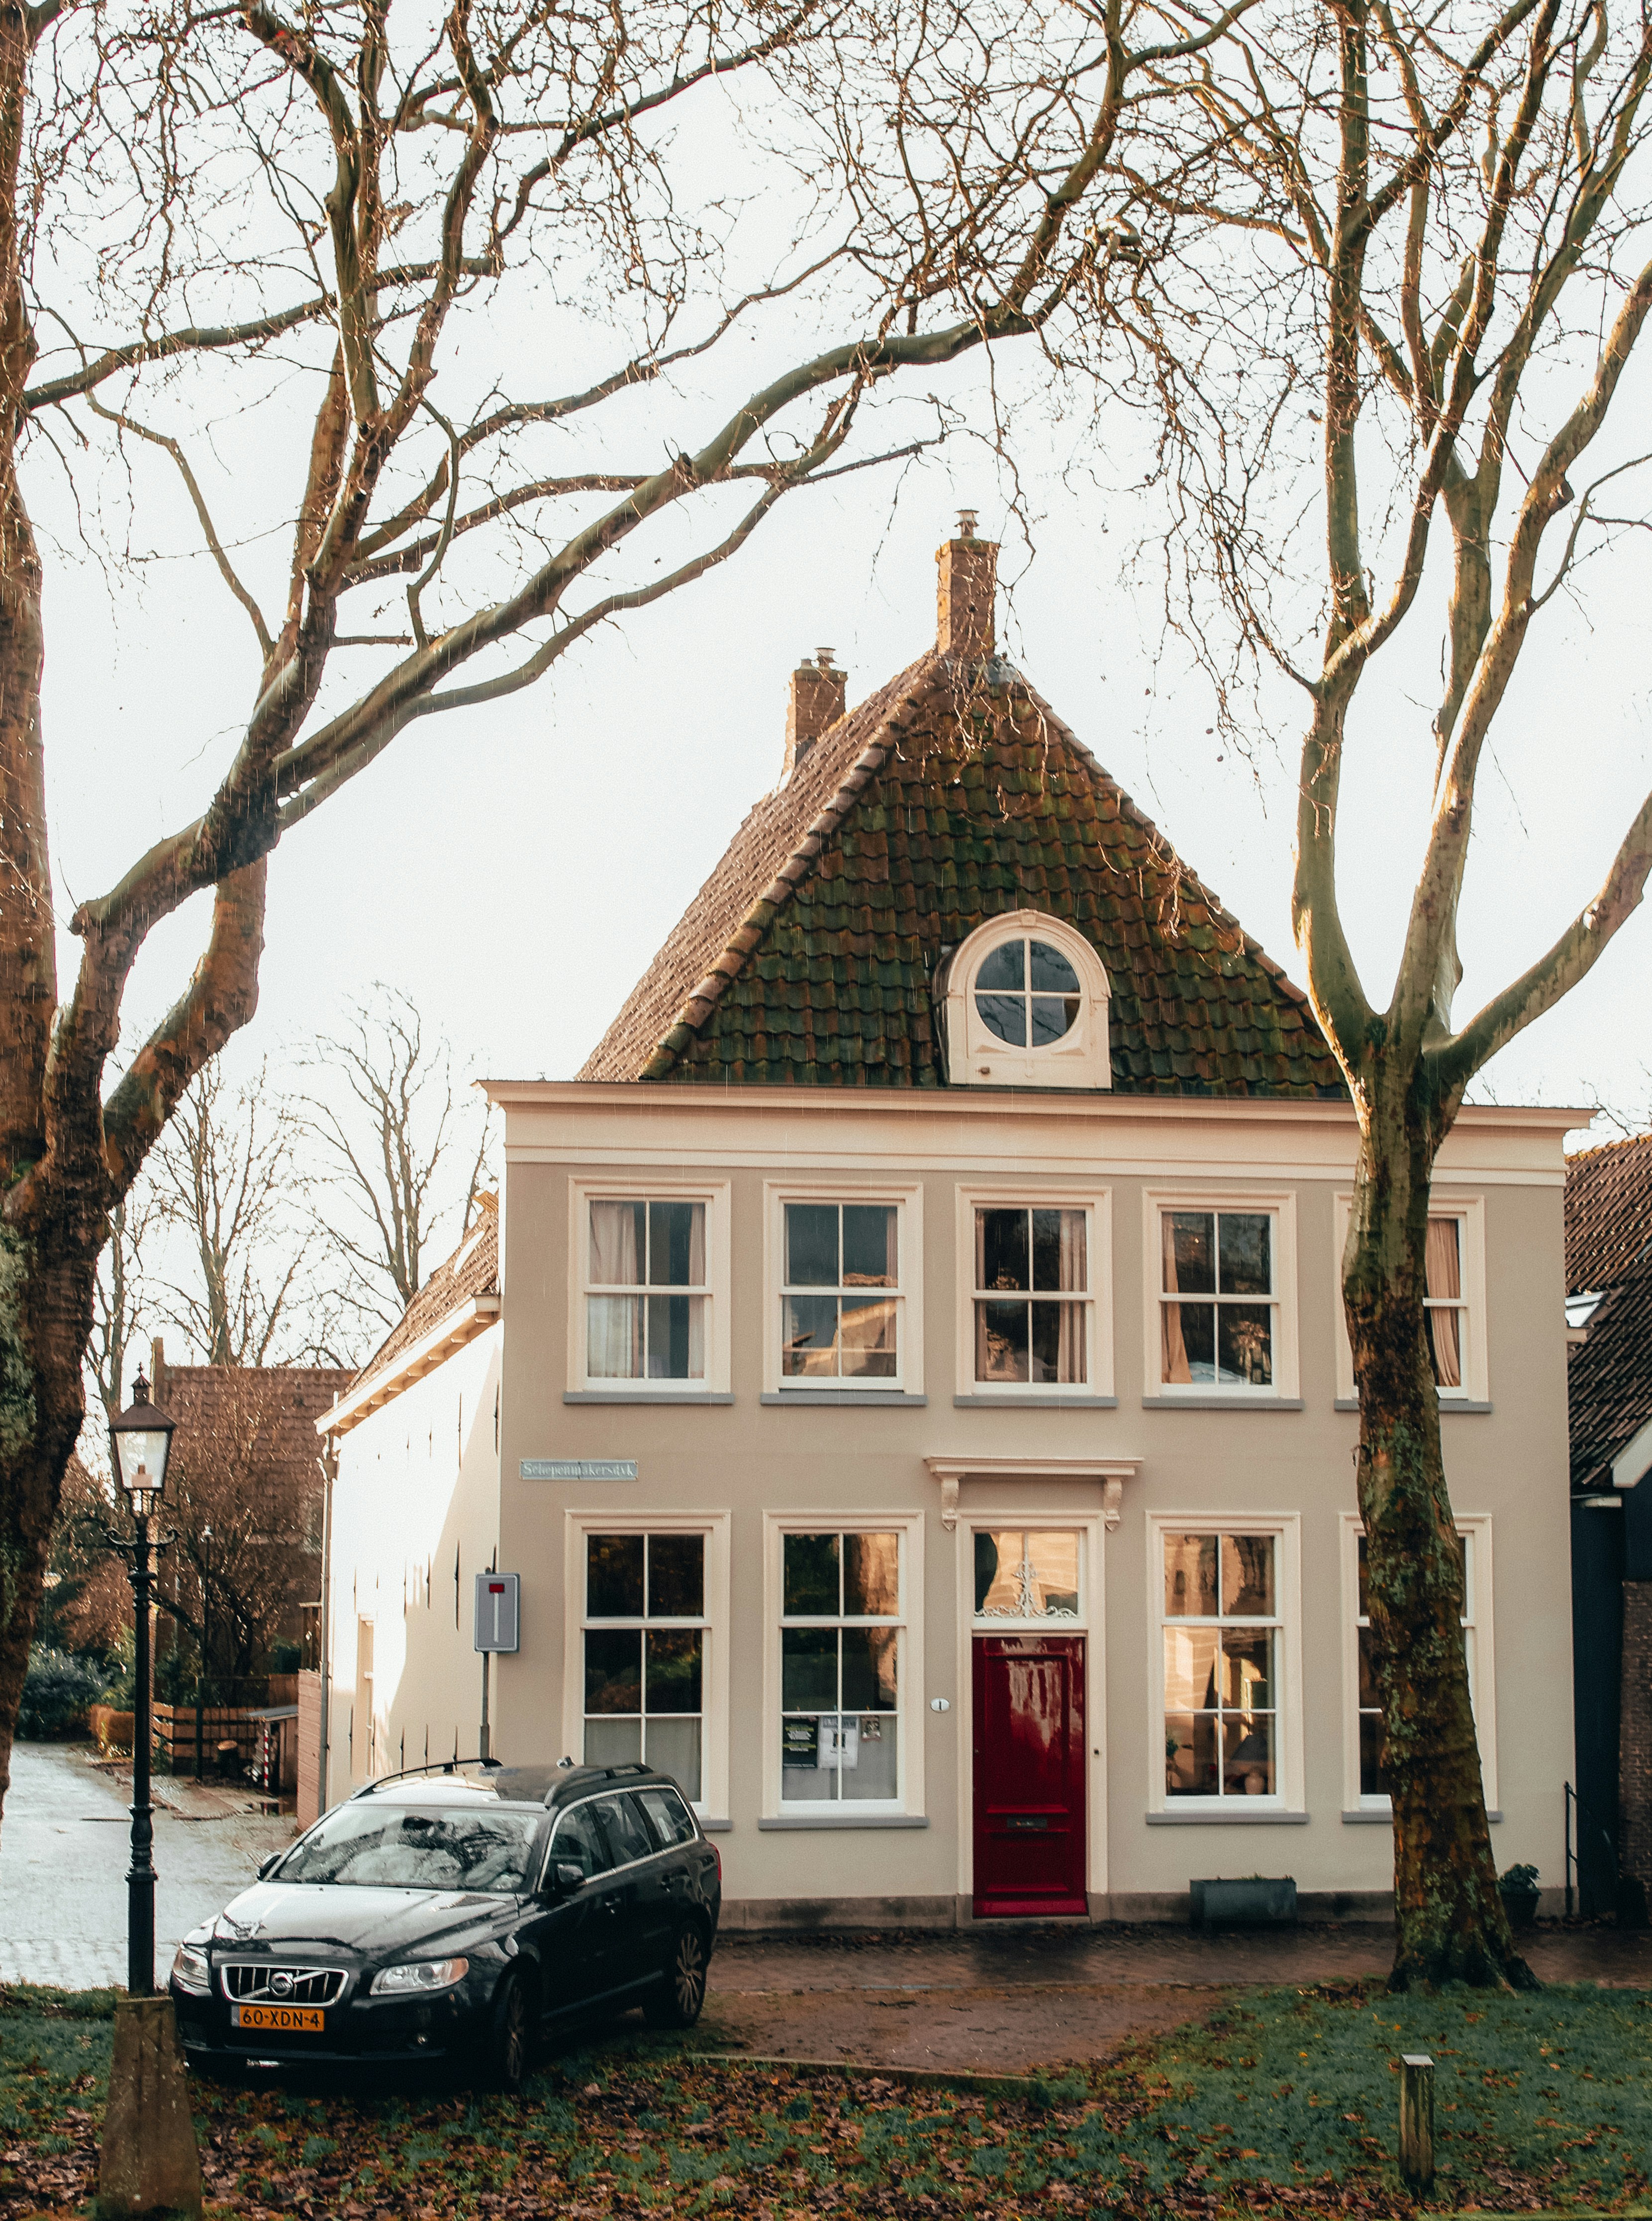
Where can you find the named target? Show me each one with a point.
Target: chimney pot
(816, 702)
(969, 587)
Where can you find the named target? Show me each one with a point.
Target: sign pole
(485, 1748)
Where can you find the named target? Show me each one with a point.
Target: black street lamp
(142, 1438)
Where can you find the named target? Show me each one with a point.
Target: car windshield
(390, 1847)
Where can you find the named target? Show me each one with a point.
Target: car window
(370, 1846)
(671, 1821)
(578, 1842)
(627, 1829)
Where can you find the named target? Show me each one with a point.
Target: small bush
(57, 1689)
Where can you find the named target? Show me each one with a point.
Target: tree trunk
(1452, 1925)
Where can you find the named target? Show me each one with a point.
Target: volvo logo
(281, 1985)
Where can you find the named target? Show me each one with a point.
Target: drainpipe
(329, 1473)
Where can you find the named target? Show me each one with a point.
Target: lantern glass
(143, 1460)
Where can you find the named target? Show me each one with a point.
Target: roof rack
(430, 1766)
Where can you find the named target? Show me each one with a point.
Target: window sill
(1222, 1815)
(1222, 1403)
(1008, 1401)
(1446, 1402)
(714, 1827)
(644, 1396)
(831, 1820)
(894, 1399)
(1380, 1816)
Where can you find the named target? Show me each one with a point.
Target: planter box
(1521, 1905)
(1254, 1903)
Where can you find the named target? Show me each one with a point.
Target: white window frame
(713, 1800)
(1482, 1657)
(644, 1186)
(1469, 1211)
(1286, 1527)
(907, 1199)
(975, 1055)
(1039, 1193)
(1281, 1203)
(909, 1711)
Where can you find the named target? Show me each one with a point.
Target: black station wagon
(456, 1916)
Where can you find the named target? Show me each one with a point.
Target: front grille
(264, 1982)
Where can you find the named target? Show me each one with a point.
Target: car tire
(679, 1997)
(511, 2038)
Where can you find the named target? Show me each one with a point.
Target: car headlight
(419, 1977)
(190, 1971)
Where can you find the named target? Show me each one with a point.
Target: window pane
(869, 1258)
(1058, 1251)
(1003, 966)
(808, 1337)
(1249, 1769)
(1001, 1257)
(1248, 1576)
(998, 1571)
(800, 1760)
(867, 1351)
(1191, 1655)
(576, 1839)
(677, 1245)
(1049, 970)
(668, 1815)
(1443, 1328)
(614, 1337)
(617, 1235)
(1195, 1329)
(676, 1576)
(1443, 1259)
(871, 1576)
(613, 1669)
(1190, 1577)
(1373, 1782)
(869, 1668)
(1054, 1560)
(811, 1245)
(1051, 1019)
(1246, 1670)
(1058, 1351)
(1370, 1696)
(1190, 1259)
(874, 1771)
(626, 1829)
(673, 1747)
(1193, 1770)
(1004, 1016)
(676, 1337)
(1245, 1344)
(1247, 1254)
(1365, 1598)
(613, 1742)
(1001, 1345)
(811, 1576)
(808, 1669)
(613, 1576)
(673, 1662)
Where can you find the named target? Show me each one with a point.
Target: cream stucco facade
(500, 1454)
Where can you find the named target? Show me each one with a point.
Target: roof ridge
(1605, 1148)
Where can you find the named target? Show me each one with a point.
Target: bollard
(1417, 2120)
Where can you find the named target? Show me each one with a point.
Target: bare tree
(353, 194)
(1439, 289)
(399, 1154)
(121, 1295)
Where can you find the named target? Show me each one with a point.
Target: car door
(574, 1934)
(643, 1907)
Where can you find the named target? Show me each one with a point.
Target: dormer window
(1026, 1003)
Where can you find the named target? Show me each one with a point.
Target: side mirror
(563, 1878)
(267, 1865)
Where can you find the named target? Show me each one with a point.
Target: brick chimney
(969, 574)
(817, 697)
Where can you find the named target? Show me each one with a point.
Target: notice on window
(800, 1743)
(840, 1745)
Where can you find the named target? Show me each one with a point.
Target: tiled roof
(1609, 1246)
(472, 1270)
(266, 1413)
(950, 797)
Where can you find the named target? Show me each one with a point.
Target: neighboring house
(914, 1394)
(1609, 1318)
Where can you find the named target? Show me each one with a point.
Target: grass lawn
(1286, 2103)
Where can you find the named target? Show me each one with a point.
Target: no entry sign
(498, 1611)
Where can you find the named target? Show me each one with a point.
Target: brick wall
(310, 1747)
(1635, 1745)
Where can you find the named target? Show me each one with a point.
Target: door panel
(1030, 1775)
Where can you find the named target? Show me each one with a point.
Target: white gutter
(411, 1364)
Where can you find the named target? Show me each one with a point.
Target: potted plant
(1518, 1889)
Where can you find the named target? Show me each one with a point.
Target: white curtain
(1176, 1367)
(697, 1248)
(614, 1323)
(1070, 1351)
(1444, 1272)
(616, 1261)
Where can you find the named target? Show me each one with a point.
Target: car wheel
(512, 2043)
(681, 1993)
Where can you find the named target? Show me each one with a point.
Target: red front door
(1029, 1753)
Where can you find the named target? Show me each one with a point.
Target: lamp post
(142, 1439)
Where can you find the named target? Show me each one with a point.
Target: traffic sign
(498, 1611)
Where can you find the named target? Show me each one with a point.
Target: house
(909, 1381)
(1609, 1319)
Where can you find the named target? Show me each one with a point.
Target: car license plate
(307, 2020)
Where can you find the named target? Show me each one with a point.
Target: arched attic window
(1026, 1005)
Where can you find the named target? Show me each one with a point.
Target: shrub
(57, 1689)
